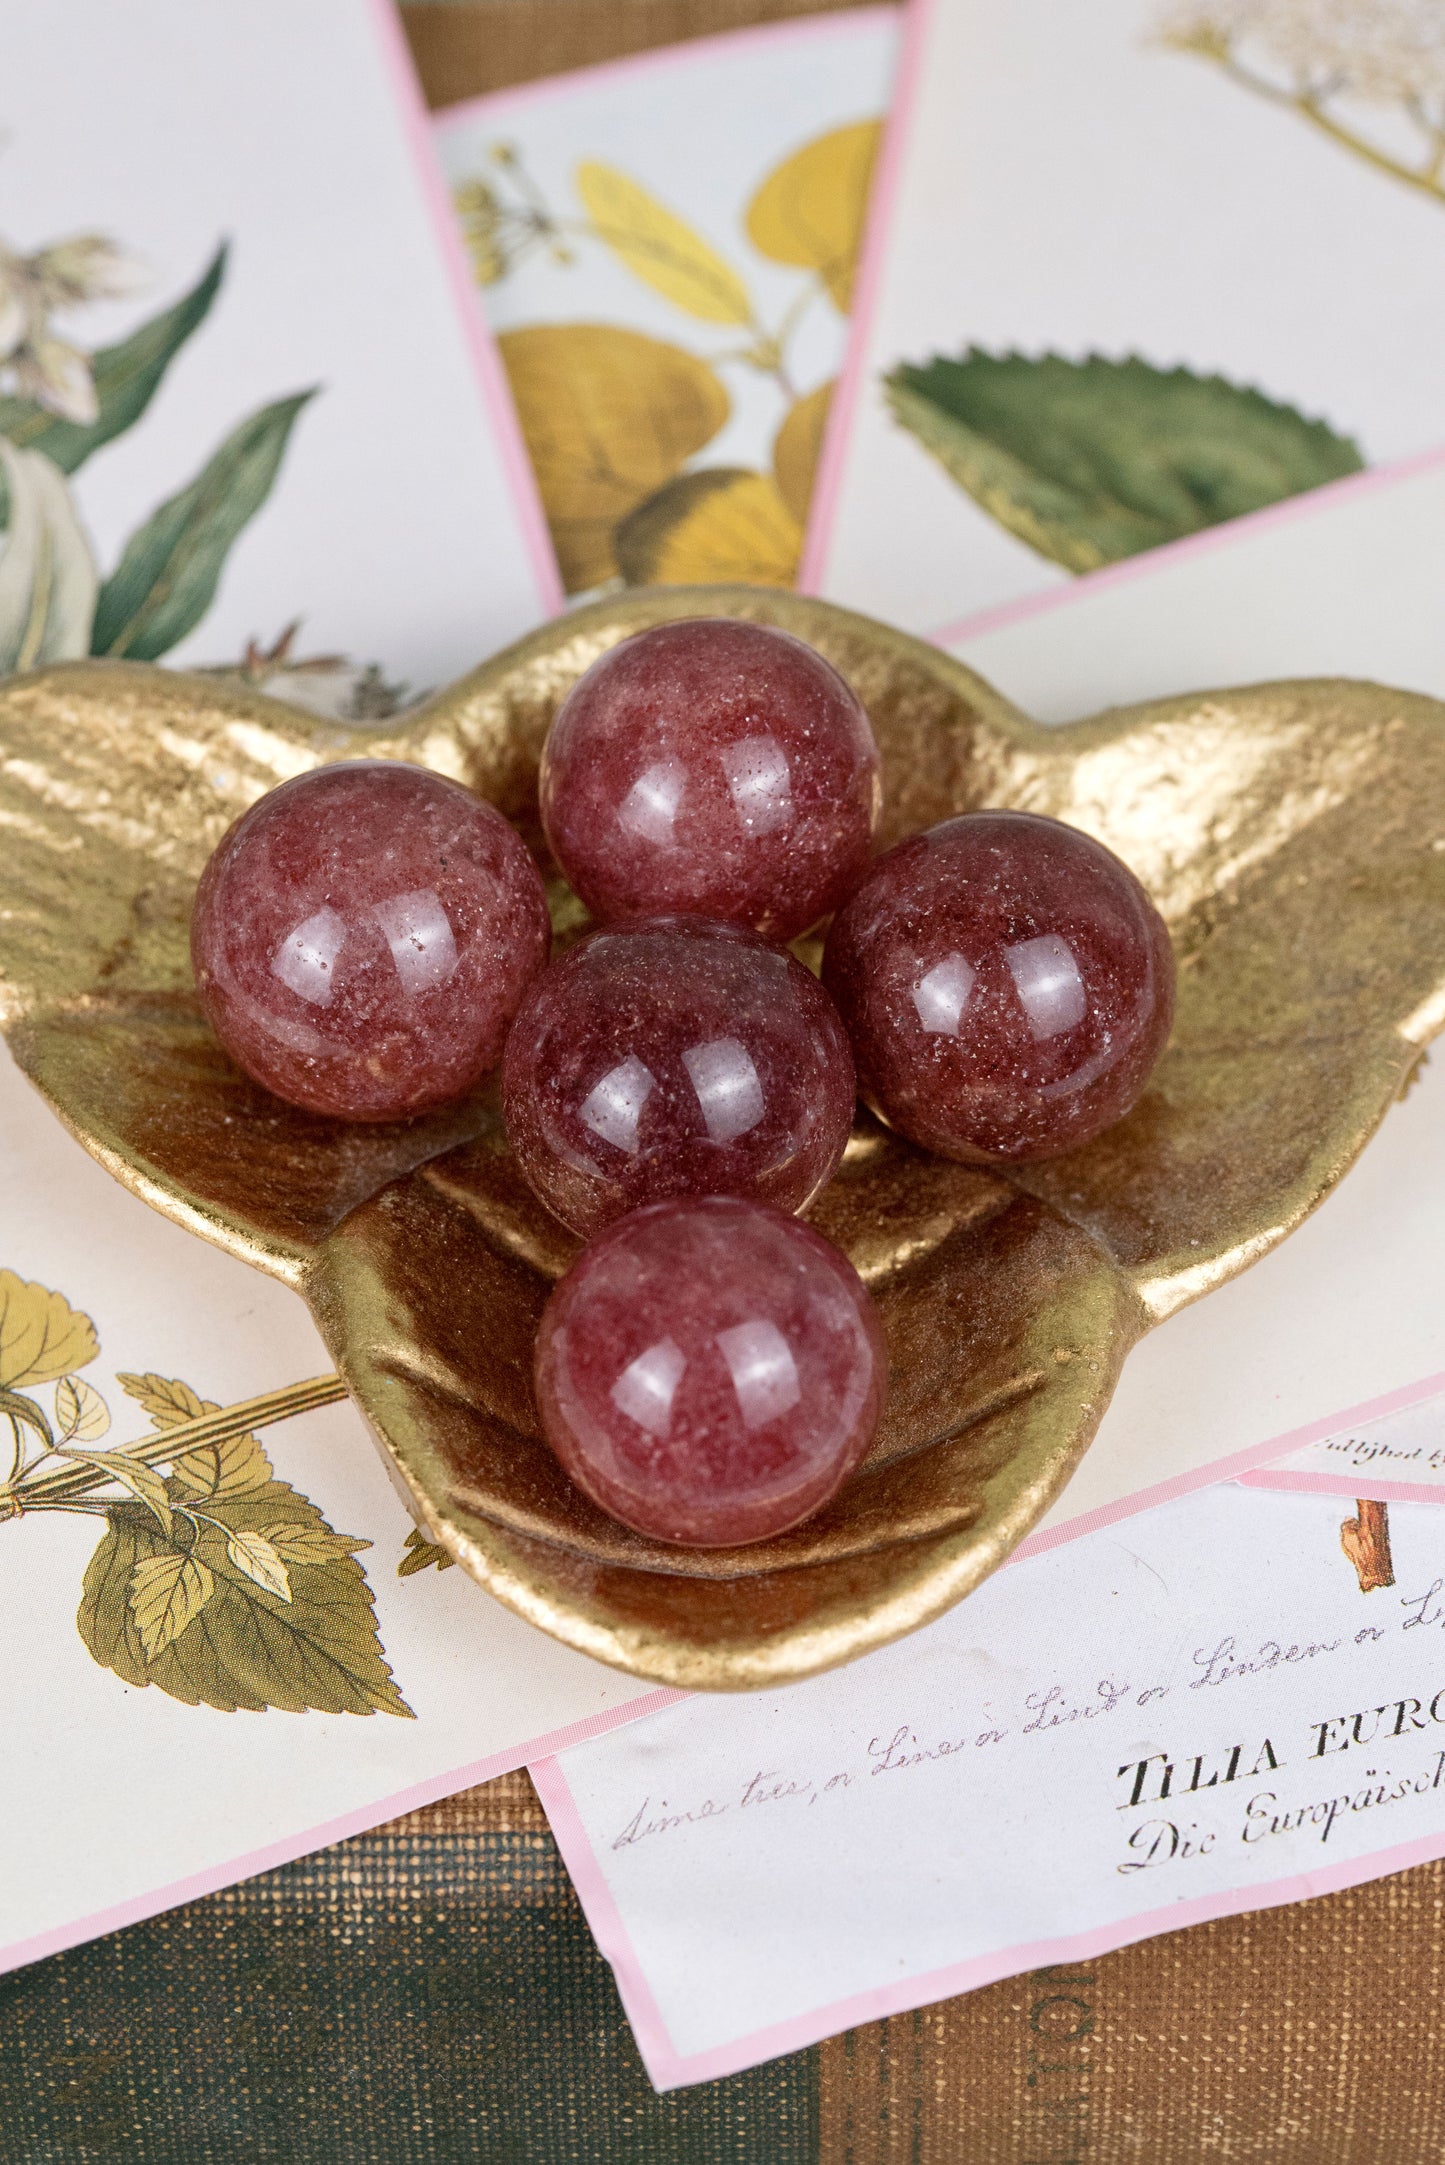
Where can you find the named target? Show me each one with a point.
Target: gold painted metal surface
(1293, 835)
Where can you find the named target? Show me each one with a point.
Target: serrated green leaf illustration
(167, 1592)
(167, 577)
(1090, 461)
(248, 1648)
(126, 378)
(419, 1554)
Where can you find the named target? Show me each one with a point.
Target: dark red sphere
(714, 767)
(363, 936)
(710, 1371)
(674, 1056)
(1007, 985)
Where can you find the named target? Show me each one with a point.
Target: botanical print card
(1398, 1458)
(247, 417)
(665, 247)
(225, 1641)
(1139, 267)
(1198, 1716)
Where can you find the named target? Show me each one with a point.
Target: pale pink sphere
(709, 1371)
(1007, 985)
(363, 936)
(715, 767)
(675, 1056)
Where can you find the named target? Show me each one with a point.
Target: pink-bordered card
(1195, 1715)
(1008, 213)
(1121, 284)
(168, 1730)
(664, 247)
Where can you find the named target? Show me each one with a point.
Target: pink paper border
(918, 19)
(1236, 1466)
(288, 1847)
(670, 2069)
(1347, 1485)
(659, 60)
(1310, 504)
(491, 378)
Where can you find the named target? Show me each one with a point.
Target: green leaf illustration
(166, 579)
(245, 1646)
(236, 1466)
(126, 378)
(419, 1554)
(167, 1592)
(1089, 461)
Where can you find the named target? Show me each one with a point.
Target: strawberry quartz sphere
(675, 1056)
(1007, 985)
(363, 936)
(713, 767)
(710, 1371)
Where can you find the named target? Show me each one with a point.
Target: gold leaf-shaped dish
(1292, 834)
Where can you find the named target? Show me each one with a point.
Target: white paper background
(392, 529)
(1068, 186)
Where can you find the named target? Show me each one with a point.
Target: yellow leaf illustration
(300, 1542)
(256, 1557)
(143, 1481)
(234, 1466)
(661, 248)
(165, 1398)
(81, 1414)
(810, 210)
(725, 523)
(796, 447)
(167, 1592)
(41, 1336)
(608, 416)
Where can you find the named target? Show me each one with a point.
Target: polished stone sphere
(715, 767)
(675, 1056)
(1007, 985)
(710, 1371)
(363, 936)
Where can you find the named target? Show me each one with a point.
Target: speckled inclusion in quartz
(673, 1056)
(363, 936)
(715, 767)
(710, 1371)
(1007, 985)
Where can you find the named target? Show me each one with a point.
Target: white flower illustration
(69, 273)
(1321, 57)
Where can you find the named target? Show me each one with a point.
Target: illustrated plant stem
(1365, 1539)
(67, 1483)
(1307, 103)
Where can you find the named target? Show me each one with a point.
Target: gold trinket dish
(1292, 834)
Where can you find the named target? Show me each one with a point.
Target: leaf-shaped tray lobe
(1290, 833)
